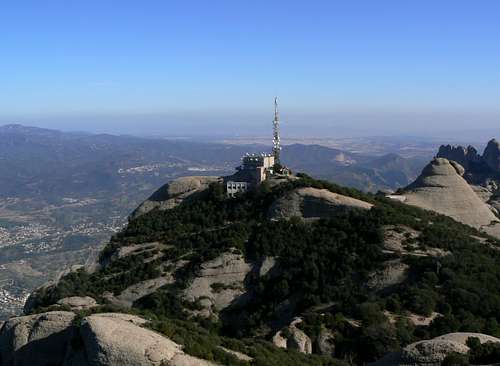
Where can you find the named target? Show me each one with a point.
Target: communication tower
(276, 133)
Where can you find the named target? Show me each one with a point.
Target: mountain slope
(350, 285)
(62, 195)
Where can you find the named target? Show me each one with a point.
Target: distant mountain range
(51, 164)
(368, 173)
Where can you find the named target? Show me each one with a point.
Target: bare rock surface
(113, 340)
(40, 339)
(219, 282)
(137, 291)
(441, 188)
(174, 193)
(279, 340)
(463, 156)
(432, 351)
(435, 350)
(482, 192)
(106, 339)
(311, 203)
(118, 339)
(493, 230)
(461, 337)
(291, 337)
(78, 303)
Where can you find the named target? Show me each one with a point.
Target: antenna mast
(276, 133)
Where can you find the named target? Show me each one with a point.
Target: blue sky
(172, 65)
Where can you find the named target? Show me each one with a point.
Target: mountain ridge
(292, 281)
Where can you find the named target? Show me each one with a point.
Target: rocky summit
(54, 338)
(481, 172)
(478, 168)
(442, 188)
(296, 271)
(491, 155)
(464, 156)
(173, 193)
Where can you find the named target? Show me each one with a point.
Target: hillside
(62, 195)
(341, 276)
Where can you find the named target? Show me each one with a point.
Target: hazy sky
(175, 66)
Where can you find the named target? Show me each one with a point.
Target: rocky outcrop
(218, 283)
(432, 351)
(313, 203)
(480, 170)
(441, 188)
(76, 303)
(463, 156)
(174, 193)
(137, 291)
(41, 339)
(491, 155)
(291, 337)
(110, 339)
(462, 337)
(435, 350)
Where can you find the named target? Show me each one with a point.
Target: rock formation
(41, 339)
(78, 303)
(173, 193)
(464, 156)
(442, 188)
(491, 155)
(291, 337)
(479, 169)
(432, 351)
(110, 339)
(311, 203)
(218, 283)
(435, 350)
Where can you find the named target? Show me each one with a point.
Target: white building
(233, 188)
(265, 161)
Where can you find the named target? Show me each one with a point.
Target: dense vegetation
(327, 261)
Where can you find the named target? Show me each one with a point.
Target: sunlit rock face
(442, 188)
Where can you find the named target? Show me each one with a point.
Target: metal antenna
(276, 133)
